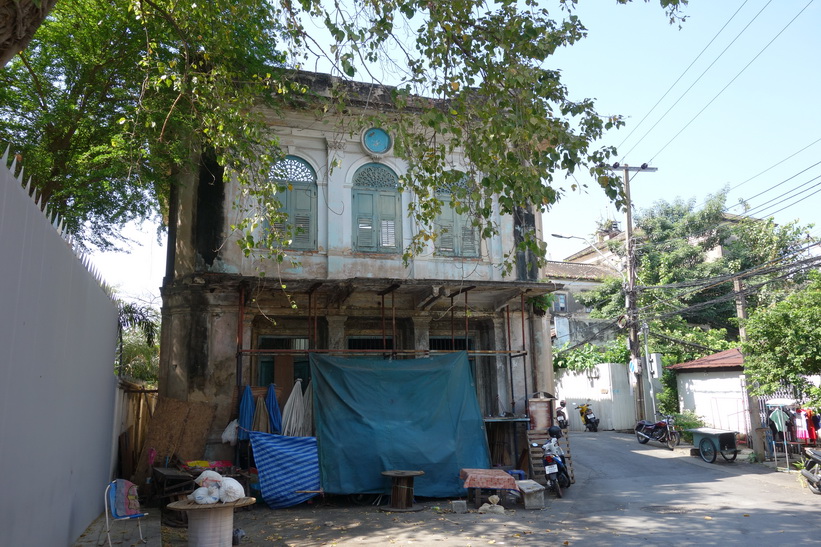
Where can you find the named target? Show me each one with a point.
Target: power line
(733, 80)
(680, 77)
(774, 166)
(724, 298)
(699, 77)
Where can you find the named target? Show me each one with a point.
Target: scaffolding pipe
(510, 363)
(240, 316)
(524, 349)
(382, 313)
(310, 316)
(452, 325)
(251, 352)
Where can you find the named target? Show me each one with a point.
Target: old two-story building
(232, 320)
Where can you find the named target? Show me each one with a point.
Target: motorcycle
(555, 466)
(561, 418)
(663, 431)
(589, 419)
(812, 470)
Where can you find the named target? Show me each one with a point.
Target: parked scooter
(812, 470)
(555, 465)
(561, 417)
(663, 431)
(589, 419)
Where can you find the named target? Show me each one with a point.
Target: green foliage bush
(688, 420)
(667, 398)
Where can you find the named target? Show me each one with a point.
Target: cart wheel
(672, 439)
(729, 455)
(813, 468)
(707, 450)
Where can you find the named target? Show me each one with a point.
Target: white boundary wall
(717, 396)
(57, 384)
(607, 387)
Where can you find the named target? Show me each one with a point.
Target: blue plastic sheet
(274, 414)
(246, 414)
(288, 466)
(416, 414)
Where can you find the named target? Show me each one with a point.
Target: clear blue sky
(710, 138)
(767, 113)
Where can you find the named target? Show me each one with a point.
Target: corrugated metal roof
(727, 359)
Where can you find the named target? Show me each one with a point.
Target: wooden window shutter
(445, 227)
(389, 222)
(364, 214)
(302, 216)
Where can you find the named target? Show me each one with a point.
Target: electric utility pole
(630, 290)
(752, 402)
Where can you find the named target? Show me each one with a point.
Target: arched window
(377, 210)
(298, 200)
(456, 234)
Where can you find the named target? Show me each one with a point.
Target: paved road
(625, 494)
(632, 494)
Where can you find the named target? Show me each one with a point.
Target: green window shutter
(280, 228)
(364, 221)
(302, 217)
(445, 228)
(469, 240)
(390, 234)
(298, 203)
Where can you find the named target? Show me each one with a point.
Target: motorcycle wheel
(641, 439)
(557, 488)
(815, 469)
(594, 427)
(564, 480)
(672, 439)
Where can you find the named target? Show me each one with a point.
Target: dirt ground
(338, 521)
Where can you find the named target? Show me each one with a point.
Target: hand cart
(710, 442)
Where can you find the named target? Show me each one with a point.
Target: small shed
(713, 388)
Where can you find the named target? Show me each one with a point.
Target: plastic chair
(122, 502)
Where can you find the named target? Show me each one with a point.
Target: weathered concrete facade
(226, 324)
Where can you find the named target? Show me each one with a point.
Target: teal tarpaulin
(415, 414)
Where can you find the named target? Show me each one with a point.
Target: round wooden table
(402, 490)
(211, 524)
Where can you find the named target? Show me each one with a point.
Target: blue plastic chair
(122, 502)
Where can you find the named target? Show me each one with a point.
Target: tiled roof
(727, 359)
(574, 270)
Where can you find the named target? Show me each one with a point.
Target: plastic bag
(205, 495)
(231, 490)
(230, 433)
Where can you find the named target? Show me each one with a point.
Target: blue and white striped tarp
(285, 465)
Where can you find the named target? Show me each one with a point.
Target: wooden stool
(402, 490)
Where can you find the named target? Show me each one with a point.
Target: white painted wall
(718, 397)
(57, 385)
(607, 387)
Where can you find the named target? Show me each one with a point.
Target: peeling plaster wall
(200, 310)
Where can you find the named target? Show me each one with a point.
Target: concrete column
(503, 378)
(541, 355)
(336, 331)
(421, 333)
